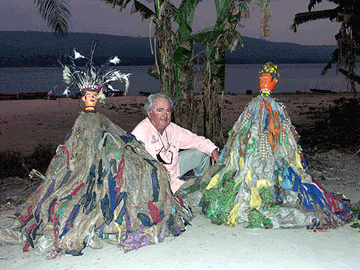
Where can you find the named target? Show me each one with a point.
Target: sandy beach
(25, 124)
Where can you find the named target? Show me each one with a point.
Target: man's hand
(214, 156)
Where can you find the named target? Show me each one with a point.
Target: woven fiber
(102, 184)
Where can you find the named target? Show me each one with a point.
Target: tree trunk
(187, 110)
(164, 57)
(213, 83)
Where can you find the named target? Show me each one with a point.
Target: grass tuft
(13, 163)
(338, 124)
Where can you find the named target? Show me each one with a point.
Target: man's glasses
(159, 158)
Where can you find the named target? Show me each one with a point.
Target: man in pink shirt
(164, 139)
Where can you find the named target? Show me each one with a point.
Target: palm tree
(222, 37)
(348, 37)
(218, 39)
(172, 53)
(187, 106)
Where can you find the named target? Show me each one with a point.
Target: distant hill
(42, 48)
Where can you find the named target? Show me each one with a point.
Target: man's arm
(189, 140)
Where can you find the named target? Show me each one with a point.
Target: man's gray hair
(150, 100)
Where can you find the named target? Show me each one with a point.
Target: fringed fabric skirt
(262, 179)
(102, 184)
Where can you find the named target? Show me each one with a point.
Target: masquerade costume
(262, 179)
(102, 185)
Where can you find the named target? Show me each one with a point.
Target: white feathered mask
(91, 77)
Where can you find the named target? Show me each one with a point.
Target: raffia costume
(102, 185)
(262, 180)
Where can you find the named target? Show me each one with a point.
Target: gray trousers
(193, 159)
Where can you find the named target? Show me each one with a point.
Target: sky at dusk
(95, 16)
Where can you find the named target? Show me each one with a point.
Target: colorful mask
(266, 82)
(268, 78)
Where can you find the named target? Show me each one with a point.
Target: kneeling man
(164, 139)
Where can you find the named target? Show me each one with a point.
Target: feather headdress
(91, 77)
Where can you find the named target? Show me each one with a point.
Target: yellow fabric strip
(117, 226)
(255, 200)
(248, 177)
(263, 183)
(213, 182)
(233, 218)
(241, 163)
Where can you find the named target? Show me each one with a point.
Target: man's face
(90, 98)
(160, 114)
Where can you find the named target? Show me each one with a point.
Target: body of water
(293, 77)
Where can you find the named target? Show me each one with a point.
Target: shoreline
(24, 124)
(44, 94)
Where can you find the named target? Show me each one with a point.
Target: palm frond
(243, 9)
(222, 8)
(350, 75)
(121, 3)
(56, 13)
(335, 59)
(182, 55)
(158, 4)
(240, 11)
(204, 36)
(186, 11)
(313, 3)
(312, 16)
(184, 30)
(145, 12)
(184, 17)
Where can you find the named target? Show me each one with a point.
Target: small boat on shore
(116, 93)
(145, 93)
(316, 90)
(8, 96)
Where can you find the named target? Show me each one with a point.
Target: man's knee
(204, 164)
(195, 160)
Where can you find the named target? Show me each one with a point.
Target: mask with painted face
(266, 82)
(90, 99)
(268, 78)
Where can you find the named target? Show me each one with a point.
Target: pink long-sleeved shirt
(174, 138)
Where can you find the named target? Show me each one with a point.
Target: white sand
(208, 246)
